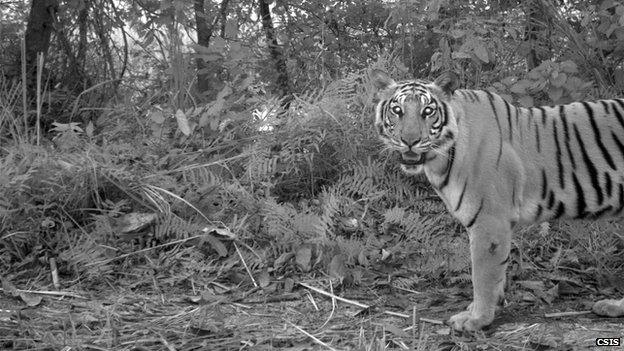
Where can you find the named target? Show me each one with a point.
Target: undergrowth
(310, 177)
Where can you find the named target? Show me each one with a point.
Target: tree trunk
(282, 82)
(83, 16)
(38, 32)
(205, 28)
(204, 33)
(536, 33)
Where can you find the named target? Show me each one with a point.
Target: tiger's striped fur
(496, 165)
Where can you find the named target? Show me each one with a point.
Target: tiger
(496, 166)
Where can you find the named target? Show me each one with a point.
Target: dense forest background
(226, 148)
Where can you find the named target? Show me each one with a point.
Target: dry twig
(351, 302)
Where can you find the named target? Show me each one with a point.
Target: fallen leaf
(289, 284)
(31, 300)
(263, 278)
(303, 257)
(337, 268)
(396, 330)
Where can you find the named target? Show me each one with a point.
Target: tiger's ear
(380, 79)
(448, 82)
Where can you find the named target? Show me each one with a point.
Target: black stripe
(558, 153)
(381, 129)
(544, 184)
(551, 200)
(608, 187)
(591, 168)
(537, 138)
(506, 260)
(618, 115)
(599, 213)
(508, 109)
(597, 137)
(608, 107)
(518, 123)
(500, 132)
(620, 198)
(449, 166)
(475, 96)
(539, 212)
(445, 112)
(469, 95)
(383, 109)
(543, 115)
(472, 221)
(618, 143)
(566, 134)
(560, 210)
(580, 198)
(461, 196)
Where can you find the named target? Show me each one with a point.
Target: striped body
(496, 165)
(544, 163)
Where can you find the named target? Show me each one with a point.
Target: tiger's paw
(609, 308)
(469, 321)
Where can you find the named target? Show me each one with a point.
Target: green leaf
(535, 74)
(183, 123)
(555, 94)
(218, 45)
(521, 86)
(303, 258)
(499, 86)
(231, 29)
(558, 79)
(568, 66)
(526, 101)
(508, 81)
(460, 55)
(481, 52)
(457, 33)
(216, 244)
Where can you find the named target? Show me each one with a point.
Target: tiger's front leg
(490, 241)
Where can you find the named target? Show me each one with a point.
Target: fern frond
(394, 215)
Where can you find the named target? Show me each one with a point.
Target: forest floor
(304, 316)
(195, 290)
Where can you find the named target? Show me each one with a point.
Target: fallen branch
(44, 292)
(566, 314)
(315, 339)
(351, 302)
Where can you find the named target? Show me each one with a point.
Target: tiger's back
(496, 165)
(564, 161)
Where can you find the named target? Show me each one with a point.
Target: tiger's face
(415, 119)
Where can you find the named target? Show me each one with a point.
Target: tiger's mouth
(412, 159)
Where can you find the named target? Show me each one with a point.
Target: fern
(277, 220)
(89, 258)
(394, 215)
(310, 227)
(170, 226)
(330, 204)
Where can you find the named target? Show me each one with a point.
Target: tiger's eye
(397, 110)
(428, 111)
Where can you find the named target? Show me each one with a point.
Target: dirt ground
(303, 319)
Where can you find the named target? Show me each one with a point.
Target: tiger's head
(415, 118)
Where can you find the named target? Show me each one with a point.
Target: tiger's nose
(410, 140)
